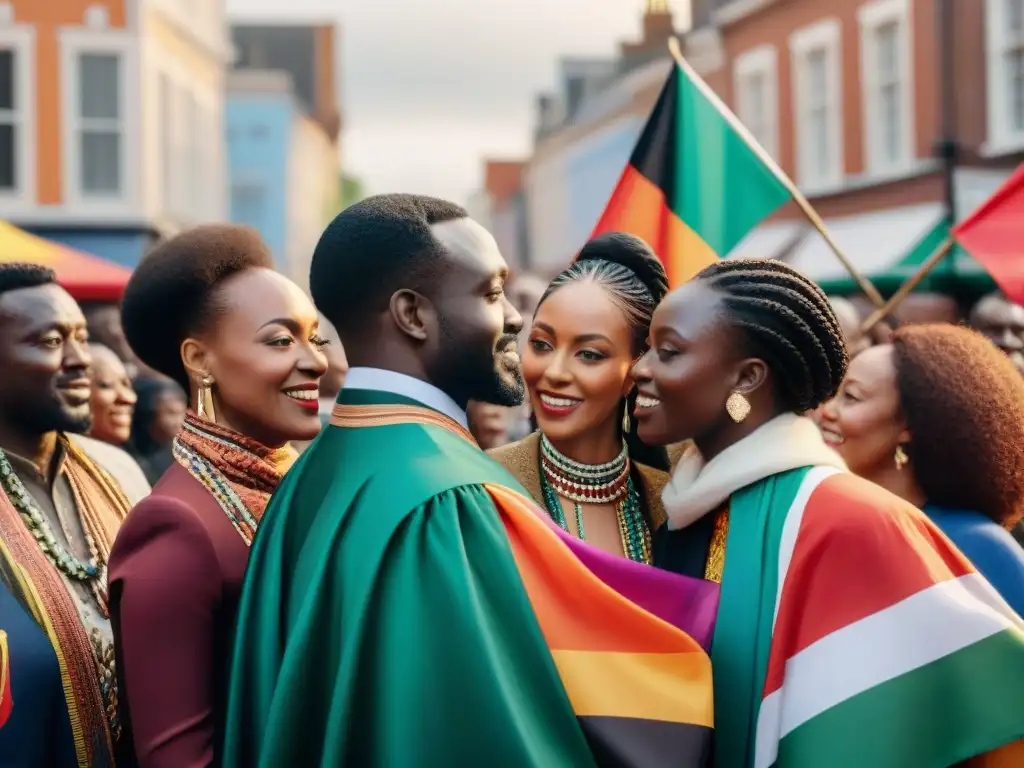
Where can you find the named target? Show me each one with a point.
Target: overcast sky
(430, 87)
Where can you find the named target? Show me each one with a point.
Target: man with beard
(405, 604)
(59, 513)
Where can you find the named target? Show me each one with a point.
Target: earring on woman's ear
(737, 406)
(901, 457)
(625, 419)
(204, 398)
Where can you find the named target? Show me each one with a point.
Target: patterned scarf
(250, 469)
(38, 585)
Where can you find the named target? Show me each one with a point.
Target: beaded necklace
(608, 483)
(213, 480)
(92, 571)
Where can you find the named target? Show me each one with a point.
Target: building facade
(886, 113)
(500, 206)
(583, 138)
(115, 119)
(283, 129)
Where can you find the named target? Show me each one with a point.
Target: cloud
(431, 86)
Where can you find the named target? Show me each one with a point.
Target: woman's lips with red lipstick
(305, 395)
(557, 405)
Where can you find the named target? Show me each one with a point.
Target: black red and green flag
(695, 185)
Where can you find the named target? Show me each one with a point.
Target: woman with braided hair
(835, 642)
(585, 465)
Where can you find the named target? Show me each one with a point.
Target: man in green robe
(404, 605)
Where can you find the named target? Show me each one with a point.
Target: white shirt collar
(406, 386)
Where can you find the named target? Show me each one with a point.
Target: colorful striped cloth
(639, 683)
(917, 663)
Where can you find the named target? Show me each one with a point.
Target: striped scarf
(252, 470)
(41, 588)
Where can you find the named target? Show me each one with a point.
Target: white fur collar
(784, 443)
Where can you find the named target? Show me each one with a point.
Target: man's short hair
(17, 275)
(374, 248)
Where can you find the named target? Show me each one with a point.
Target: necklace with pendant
(608, 483)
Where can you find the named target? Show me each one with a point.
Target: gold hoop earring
(901, 457)
(737, 406)
(204, 398)
(625, 419)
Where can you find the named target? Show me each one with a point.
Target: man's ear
(411, 311)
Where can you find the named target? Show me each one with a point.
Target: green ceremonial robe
(383, 621)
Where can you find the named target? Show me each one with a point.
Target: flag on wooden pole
(994, 235)
(693, 187)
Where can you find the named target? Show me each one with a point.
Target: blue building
(260, 114)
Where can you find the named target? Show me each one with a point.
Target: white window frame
(74, 42)
(762, 61)
(1002, 138)
(823, 35)
(20, 40)
(871, 17)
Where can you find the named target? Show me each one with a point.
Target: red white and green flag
(887, 648)
(994, 235)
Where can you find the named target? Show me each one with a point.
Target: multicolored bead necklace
(93, 572)
(213, 480)
(608, 483)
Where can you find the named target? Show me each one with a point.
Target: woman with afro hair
(849, 630)
(206, 309)
(937, 417)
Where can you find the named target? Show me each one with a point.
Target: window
(248, 201)
(886, 83)
(757, 99)
(9, 127)
(1005, 42)
(100, 139)
(1013, 57)
(17, 113)
(817, 105)
(193, 156)
(165, 123)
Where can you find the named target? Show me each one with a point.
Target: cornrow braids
(627, 268)
(623, 286)
(788, 322)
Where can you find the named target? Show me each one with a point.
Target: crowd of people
(439, 515)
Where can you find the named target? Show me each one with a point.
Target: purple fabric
(684, 602)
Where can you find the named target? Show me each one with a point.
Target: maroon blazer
(175, 576)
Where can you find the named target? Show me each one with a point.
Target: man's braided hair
(788, 322)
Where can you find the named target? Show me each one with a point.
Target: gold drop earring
(737, 406)
(204, 398)
(901, 457)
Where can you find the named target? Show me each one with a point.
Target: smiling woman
(207, 310)
(585, 465)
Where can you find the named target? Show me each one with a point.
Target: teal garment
(383, 621)
(743, 631)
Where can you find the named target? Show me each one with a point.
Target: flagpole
(927, 266)
(812, 215)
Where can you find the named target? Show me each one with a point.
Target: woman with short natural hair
(206, 309)
(937, 417)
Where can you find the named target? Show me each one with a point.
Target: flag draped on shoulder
(994, 235)
(915, 664)
(695, 185)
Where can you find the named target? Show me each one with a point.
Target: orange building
(111, 126)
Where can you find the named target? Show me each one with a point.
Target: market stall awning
(86, 277)
(770, 241)
(887, 247)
